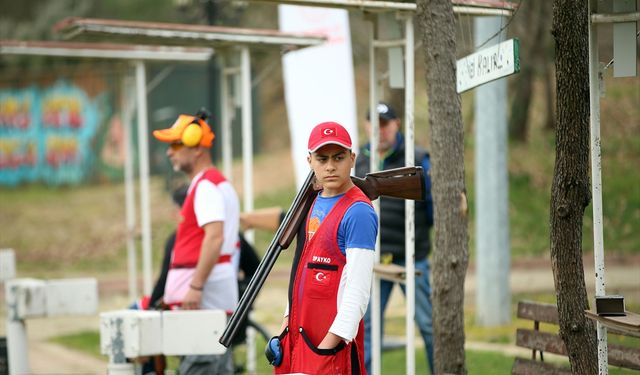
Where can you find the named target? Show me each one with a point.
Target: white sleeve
(354, 292)
(208, 203)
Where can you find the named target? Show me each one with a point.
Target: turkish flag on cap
(328, 132)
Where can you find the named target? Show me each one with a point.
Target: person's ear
(309, 159)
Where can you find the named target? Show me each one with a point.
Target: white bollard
(32, 298)
(24, 298)
(17, 353)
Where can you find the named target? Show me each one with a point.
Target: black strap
(355, 362)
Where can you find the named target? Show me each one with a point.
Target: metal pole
(17, 343)
(374, 166)
(247, 135)
(247, 169)
(409, 205)
(129, 188)
(251, 349)
(596, 182)
(226, 121)
(143, 152)
(493, 296)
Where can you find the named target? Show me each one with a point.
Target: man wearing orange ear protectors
(202, 275)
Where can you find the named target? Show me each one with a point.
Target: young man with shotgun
(332, 269)
(331, 278)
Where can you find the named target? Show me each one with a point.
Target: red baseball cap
(328, 133)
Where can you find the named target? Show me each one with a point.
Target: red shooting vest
(313, 303)
(189, 235)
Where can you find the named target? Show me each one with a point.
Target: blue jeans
(423, 311)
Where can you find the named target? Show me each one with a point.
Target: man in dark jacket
(391, 149)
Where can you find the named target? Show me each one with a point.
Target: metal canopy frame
(183, 34)
(470, 7)
(104, 51)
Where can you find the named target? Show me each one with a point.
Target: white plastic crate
(72, 297)
(193, 332)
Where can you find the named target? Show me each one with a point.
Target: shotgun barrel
(283, 238)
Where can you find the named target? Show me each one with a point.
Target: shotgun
(404, 183)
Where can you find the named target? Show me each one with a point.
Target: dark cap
(385, 112)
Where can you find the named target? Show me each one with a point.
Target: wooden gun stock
(406, 183)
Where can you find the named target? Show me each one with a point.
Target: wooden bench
(541, 342)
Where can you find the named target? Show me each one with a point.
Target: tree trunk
(451, 252)
(570, 191)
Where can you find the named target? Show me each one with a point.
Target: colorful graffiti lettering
(60, 111)
(15, 153)
(46, 134)
(15, 112)
(61, 151)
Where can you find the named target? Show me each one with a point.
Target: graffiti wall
(46, 134)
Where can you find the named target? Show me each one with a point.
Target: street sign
(486, 65)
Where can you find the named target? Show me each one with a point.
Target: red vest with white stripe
(313, 303)
(189, 235)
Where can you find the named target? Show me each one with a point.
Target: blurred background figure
(391, 149)
(201, 274)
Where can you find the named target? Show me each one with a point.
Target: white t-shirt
(219, 203)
